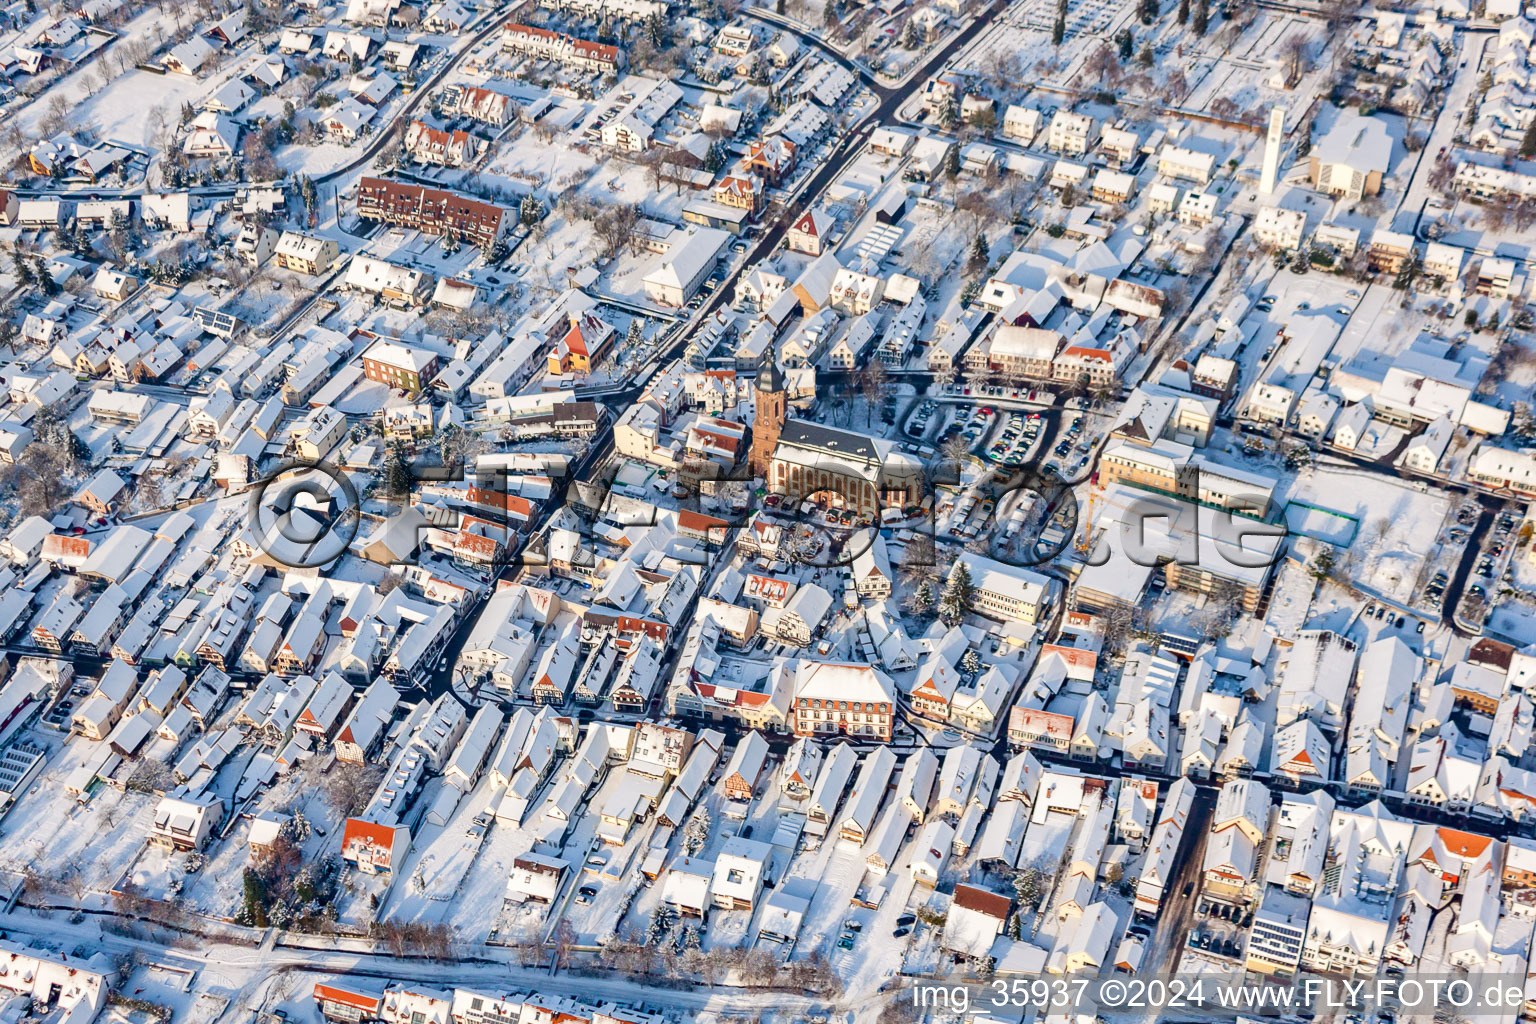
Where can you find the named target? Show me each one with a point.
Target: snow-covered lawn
(48, 831)
(1396, 520)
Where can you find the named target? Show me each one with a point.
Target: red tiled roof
(983, 901)
(359, 830)
(367, 1001)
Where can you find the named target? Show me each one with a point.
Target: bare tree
(1293, 54)
(874, 385)
(349, 787)
(1102, 64)
(56, 116)
(615, 227)
(564, 938)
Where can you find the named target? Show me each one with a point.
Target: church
(837, 468)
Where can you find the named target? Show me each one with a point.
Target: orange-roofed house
(517, 509)
(716, 441)
(935, 689)
(1095, 366)
(479, 542)
(545, 44)
(1450, 852)
(771, 590)
(374, 848)
(583, 346)
(349, 1002)
(1078, 663)
(486, 105)
(1300, 750)
(66, 551)
(741, 190)
(595, 56)
(699, 526)
(446, 149)
(773, 159)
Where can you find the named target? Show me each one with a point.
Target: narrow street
(1178, 909)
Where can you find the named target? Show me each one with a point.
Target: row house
(430, 145)
(432, 211)
(569, 50)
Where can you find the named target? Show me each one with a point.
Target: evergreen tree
(45, 279)
(829, 14)
(1127, 45)
(24, 273)
(978, 255)
(255, 910)
(909, 40)
(531, 211)
(656, 31)
(636, 336)
(1146, 58)
(959, 593)
(1528, 143)
(778, 6)
(921, 601)
(1183, 12)
(397, 475)
(1058, 30)
(952, 161)
(1202, 16)
(1147, 11)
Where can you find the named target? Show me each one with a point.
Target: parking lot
(1450, 542)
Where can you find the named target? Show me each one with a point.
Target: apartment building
(1185, 164)
(840, 699)
(432, 211)
(305, 254)
(400, 366)
(545, 44)
(1070, 134)
(1280, 229)
(1389, 251)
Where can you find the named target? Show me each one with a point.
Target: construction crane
(1085, 523)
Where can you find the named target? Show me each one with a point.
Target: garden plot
(1386, 557)
(92, 844)
(217, 890)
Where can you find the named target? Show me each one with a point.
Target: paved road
(441, 678)
(1177, 913)
(423, 91)
(853, 139)
(1451, 599)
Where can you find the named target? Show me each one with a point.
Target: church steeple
(771, 410)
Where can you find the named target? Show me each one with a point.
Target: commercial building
(841, 699)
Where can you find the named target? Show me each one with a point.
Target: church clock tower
(769, 414)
